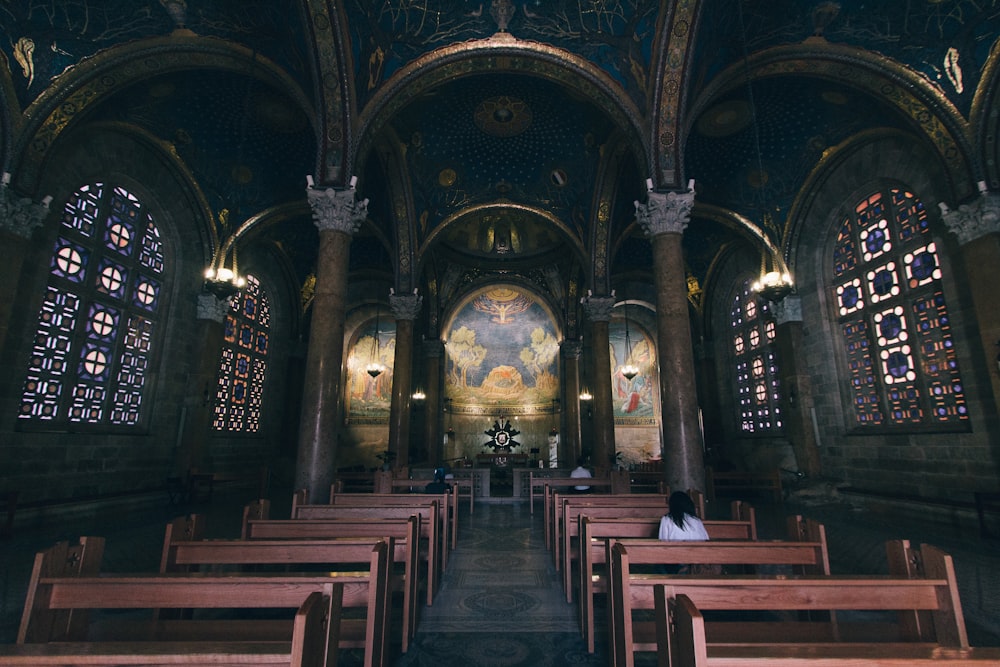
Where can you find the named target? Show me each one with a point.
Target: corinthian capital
(598, 308)
(664, 212)
(213, 308)
(20, 215)
(337, 210)
(975, 219)
(405, 306)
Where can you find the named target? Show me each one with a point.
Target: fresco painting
(634, 400)
(368, 398)
(501, 351)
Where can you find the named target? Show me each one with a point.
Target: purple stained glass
(890, 326)
(850, 296)
(897, 364)
(883, 282)
(923, 265)
(875, 241)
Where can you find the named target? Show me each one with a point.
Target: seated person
(581, 471)
(680, 523)
(439, 485)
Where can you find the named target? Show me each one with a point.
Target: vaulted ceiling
(494, 138)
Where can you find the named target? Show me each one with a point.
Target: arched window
(892, 314)
(93, 344)
(756, 366)
(246, 339)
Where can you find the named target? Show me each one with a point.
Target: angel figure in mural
(633, 394)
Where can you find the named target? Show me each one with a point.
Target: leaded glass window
(246, 339)
(93, 344)
(897, 336)
(756, 365)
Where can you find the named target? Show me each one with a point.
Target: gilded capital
(211, 307)
(787, 310)
(20, 215)
(337, 210)
(664, 212)
(405, 306)
(598, 308)
(975, 219)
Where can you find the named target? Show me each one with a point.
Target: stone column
(199, 405)
(796, 385)
(19, 218)
(598, 310)
(337, 216)
(570, 445)
(977, 226)
(664, 218)
(433, 355)
(405, 309)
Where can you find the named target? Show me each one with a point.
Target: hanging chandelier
(629, 369)
(375, 367)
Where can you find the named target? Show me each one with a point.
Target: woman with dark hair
(680, 522)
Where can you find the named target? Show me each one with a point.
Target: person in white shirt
(680, 522)
(581, 471)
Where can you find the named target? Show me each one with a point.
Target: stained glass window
(756, 367)
(246, 337)
(896, 331)
(94, 340)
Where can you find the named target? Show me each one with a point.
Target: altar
(501, 460)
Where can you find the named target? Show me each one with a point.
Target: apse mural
(634, 399)
(501, 351)
(368, 397)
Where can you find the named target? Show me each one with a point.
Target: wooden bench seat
(912, 609)
(567, 547)
(538, 483)
(63, 623)
(557, 501)
(448, 501)
(805, 550)
(186, 550)
(432, 525)
(321, 529)
(682, 644)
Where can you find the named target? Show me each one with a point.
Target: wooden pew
(433, 521)
(556, 500)
(938, 593)
(448, 501)
(682, 644)
(538, 483)
(599, 533)
(321, 529)
(566, 529)
(186, 550)
(57, 628)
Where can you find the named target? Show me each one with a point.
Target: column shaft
(796, 388)
(321, 393)
(402, 377)
(682, 439)
(604, 420)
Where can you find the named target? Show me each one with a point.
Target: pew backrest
(938, 595)
(185, 551)
(321, 529)
(80, 594)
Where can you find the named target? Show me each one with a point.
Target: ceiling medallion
(503, 116)
(725, 119)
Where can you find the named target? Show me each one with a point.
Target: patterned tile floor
(501, 604)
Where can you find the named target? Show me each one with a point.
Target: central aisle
(501, 603)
